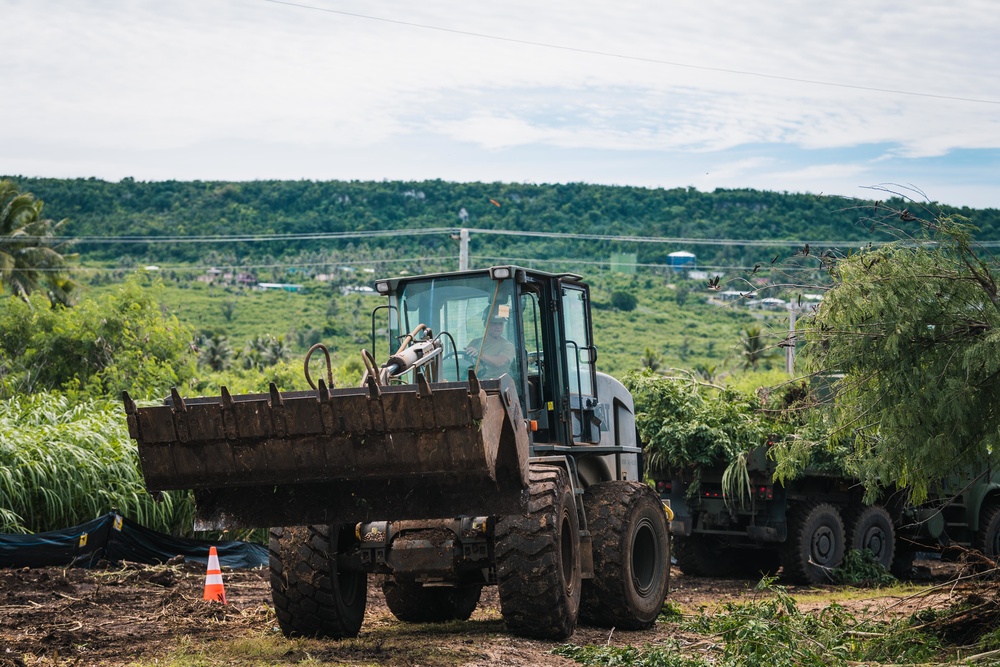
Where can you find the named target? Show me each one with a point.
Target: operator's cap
(501, 314)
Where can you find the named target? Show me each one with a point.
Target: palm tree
(754, 350)
(265, 350)
(215, 352)
(706, 372)
(29, 248)
(651, 360)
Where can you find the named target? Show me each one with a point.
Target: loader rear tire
(311, 598)
(413, 603)
(538, 559)
(631, 541)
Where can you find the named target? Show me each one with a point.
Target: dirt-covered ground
(124, 614)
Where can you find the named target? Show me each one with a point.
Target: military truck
(806, 525)
(485, 450)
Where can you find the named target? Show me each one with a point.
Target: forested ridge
(196, 208)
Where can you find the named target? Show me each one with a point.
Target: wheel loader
(486, 449)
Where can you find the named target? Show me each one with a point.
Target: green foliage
(30, 249)
(768, 628)
(862, 568)
(286, 376)
(62, 464)
(914, 329)
(681, 295)
(300, 207)
(629, 656)
(754, 347)
(686, 424)
(215, 352)
(121, 341)
(651, 360)
(624, 301)
(771, 630)
(263, 351)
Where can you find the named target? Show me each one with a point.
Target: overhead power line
(623, 56)
(324, 236)
(242, 238)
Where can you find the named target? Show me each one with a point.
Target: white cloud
(138, 79)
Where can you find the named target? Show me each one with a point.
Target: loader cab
(541, 321)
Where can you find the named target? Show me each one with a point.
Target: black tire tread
(533, 598)
(607, 598)
(859, 517)
(989, 518)
(302, 584)
(795, 555)
(413, 603)
(701, 556)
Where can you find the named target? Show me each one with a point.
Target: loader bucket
(358, 454)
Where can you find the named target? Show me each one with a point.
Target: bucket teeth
(373, 389)
(179, 405)
(423, 387)
(276, 400)
(322, 392)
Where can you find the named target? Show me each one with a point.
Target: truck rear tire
(815, 543)
(311, 597)
(702, 556)
(988, 535)
(872, 530)
(538, 559)
(631, 541)
(755, 563)
(411, 602)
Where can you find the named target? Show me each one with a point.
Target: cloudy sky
(838, 97)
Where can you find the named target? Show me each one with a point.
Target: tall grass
(63, 463)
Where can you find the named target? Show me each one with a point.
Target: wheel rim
(823, 545)
(645, 558)
(875, 541)
(567, 548)
(347, 583)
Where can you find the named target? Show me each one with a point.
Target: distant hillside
(175, 208)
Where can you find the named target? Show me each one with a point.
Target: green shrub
(62, 464)
(120, 341)
(624, 301)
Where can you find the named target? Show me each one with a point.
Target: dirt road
(123, 614)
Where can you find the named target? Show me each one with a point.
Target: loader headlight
(499, 272)
(382, 287)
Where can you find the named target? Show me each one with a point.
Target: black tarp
(115, 538)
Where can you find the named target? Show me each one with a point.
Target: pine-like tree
(914, 327)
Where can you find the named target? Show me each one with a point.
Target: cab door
(579, 357)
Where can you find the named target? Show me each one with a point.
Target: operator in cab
(492, 354)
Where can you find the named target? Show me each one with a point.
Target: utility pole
(790, 350)
(463, 250)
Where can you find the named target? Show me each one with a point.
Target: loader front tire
(311, 597)
(412, 602)
(631, 541)
(538, 559)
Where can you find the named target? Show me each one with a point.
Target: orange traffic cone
(214, 589)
